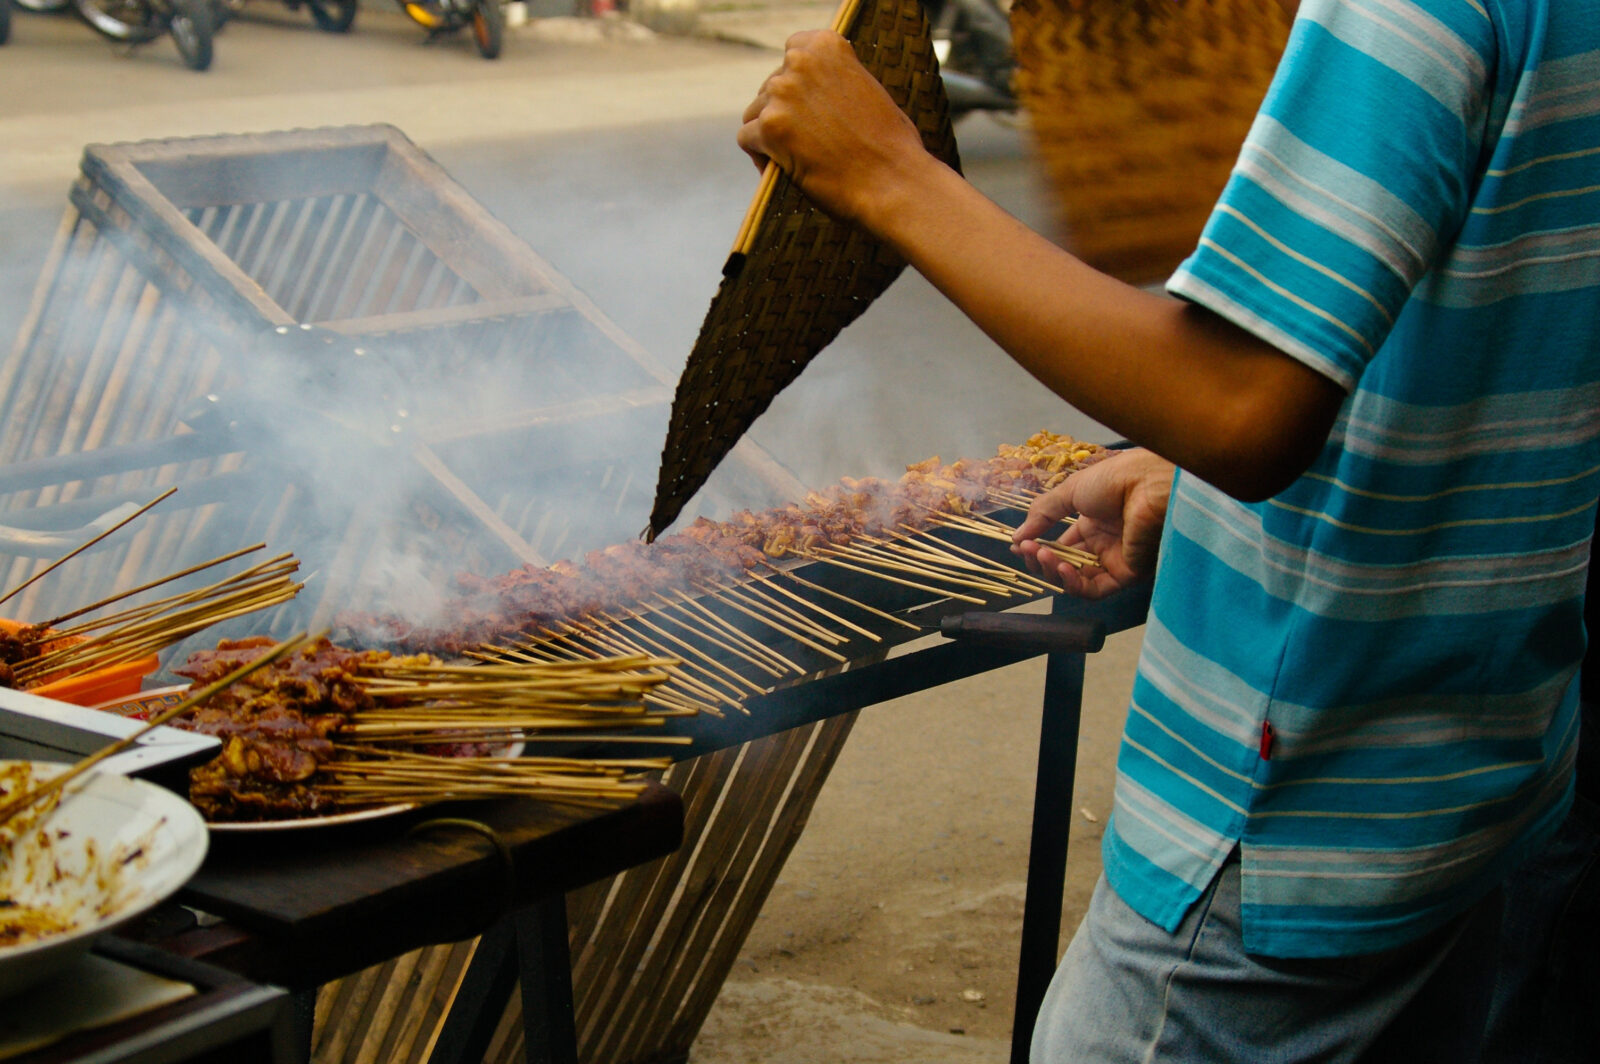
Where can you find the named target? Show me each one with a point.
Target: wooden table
(300, 908)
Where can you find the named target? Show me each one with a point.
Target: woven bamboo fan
(1138, 108)
(796, 277)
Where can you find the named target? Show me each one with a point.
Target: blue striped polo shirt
(1367, 683)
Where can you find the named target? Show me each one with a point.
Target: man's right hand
(1121, 503)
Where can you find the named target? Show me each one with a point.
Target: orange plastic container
(97, 685)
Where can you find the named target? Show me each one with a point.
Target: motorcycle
(331, 16)
(439, 17)
(190, 23)
(972, 41)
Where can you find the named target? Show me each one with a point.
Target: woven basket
(805, 278)
(1138, 108)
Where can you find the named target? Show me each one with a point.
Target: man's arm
(1179, 379)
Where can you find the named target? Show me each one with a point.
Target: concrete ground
(892, 933)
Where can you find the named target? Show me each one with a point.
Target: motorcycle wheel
(128, 21)
(43, 6)
(488, 27)
(192, 28)
(333, 16)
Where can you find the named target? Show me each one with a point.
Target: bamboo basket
(1138, 109)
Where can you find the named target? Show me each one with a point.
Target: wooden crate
(188, 276)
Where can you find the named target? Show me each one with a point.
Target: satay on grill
(709, 552)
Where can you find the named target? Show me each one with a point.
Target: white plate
(356, 816)
(113, 848)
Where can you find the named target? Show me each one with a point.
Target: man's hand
(1121, 503)
(828, 123)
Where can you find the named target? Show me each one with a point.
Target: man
(1356, 709)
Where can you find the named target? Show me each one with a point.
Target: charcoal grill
(186, 272)
(825, 696)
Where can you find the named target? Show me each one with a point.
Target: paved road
(612, 157)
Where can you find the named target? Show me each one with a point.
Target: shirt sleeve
(1358, 170)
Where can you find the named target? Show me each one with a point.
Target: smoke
(391, 464)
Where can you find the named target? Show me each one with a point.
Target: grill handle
(1041, 633)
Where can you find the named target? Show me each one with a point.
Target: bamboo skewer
(1020, 574)
(145, 635)
(415, 777)
(1020, 500)
(15, 805)
(960, 556)
(872, 558)
(55, 621)
(803, 582)
(769, 582)
(79, 550)
(265, 583)
(265, 572)
(151, 623)
(714, 685)
(611, 641)
(689, 622)
(707, 688)
(753, 614)
(685, 691)
(944, 592)
(735, 632)
(695, 651)
(761, 659)
(753, 595)
(1077, 555)
(997, 530)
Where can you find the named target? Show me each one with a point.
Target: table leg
(531, 945)
(546, 967)
(1047, 853)
(300, 1023)
(481, 1000)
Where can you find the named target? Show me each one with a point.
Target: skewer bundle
(135, 632)
(331, 729)
(40, 653)
(428, 702)
(989, 528)
(360, 777)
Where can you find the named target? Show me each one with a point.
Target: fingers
(1091, 582)
(1045, 512)
(1088, 582)
(749, 139)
